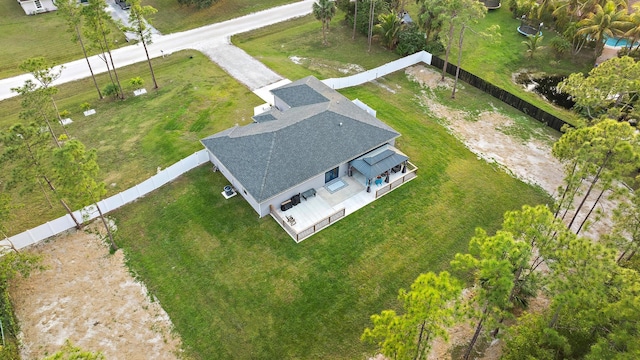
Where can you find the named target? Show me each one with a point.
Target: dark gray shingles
(271, 157)
(299, 95)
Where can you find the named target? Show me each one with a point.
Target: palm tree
(533, 44)
(633, 26)
(324, 10)
(388, 28)
(607, 21)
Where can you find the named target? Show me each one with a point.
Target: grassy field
(302, 38)
(172, 17)
(236, 286)
(496, 60)
(19, 40)
(136, 136)
(493, 60)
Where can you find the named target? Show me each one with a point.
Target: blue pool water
(619, 42)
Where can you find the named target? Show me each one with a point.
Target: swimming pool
(619, 42)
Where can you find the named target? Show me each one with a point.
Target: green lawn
(236, 286)
(497, 60)
(302, 37)
(493, 60)
(172, 17)
(136, 136)
(25, 36)
(19, 41)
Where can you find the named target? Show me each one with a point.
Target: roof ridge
(266, 168)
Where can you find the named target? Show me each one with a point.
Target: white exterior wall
(234, 182)
(280, 105)
(30, 8)
(315, 183)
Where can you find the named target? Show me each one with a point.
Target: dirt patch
(88, 296)
(486, 135)
(530, 160)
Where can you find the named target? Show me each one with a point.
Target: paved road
(213, 40)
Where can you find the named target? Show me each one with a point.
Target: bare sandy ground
(90, 298)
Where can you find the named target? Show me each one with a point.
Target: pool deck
(609, 51)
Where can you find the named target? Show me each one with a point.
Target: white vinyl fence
(90, 212)
(380, 71)
(65, 223)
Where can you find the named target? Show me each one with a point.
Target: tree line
(592, 286)
(90, 25)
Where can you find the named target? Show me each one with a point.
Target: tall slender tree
(429, 308)
(36, 106)
(71, 11)
(324, 10)
(98, 32)
(355, 20)
(26, 147)
(75, 172)
(492, 261)
(595, 158)
(139, 17)
(372, 11)
(456, 13)
(45, 74)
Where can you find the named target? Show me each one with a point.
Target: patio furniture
(309, 193)
(378, 181)
(295, 199)
(291, 220)
(286, 205)
(396, 168)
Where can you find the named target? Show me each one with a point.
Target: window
(38, 4)
(330, 175)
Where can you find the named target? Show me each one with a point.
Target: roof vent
(340, 124)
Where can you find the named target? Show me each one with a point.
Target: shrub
(85, 106)
(111, 90)
(410, 41)
(435, 47)
(136, 82)
(560, 45)
(634, 54)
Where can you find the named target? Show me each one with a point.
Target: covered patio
(345, 195)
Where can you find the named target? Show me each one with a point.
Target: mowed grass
(173, 17)
(493, 59)
(25, 36)
(236, 286)
(275, 45)
(497, 59)
(137, 136)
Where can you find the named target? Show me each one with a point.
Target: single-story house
(310, 136)
(32, 7)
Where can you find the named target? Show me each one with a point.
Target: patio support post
(404, 167)
(368, 185)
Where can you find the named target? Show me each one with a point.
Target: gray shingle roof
(304, 141)
(298, 95)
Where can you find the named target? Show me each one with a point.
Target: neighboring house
(311, 136)
(32, 7)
